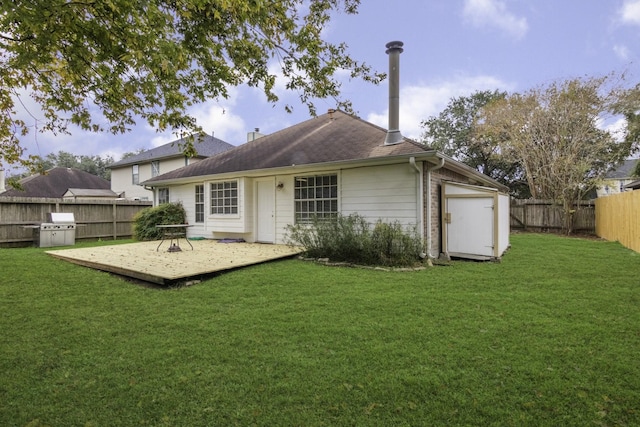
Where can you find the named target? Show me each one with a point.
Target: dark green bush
(352, 239)
(145, 221)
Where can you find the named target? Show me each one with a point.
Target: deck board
(143, 262)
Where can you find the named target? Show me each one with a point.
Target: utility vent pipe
(2, 184)
(394, 49)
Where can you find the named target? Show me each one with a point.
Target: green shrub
(145, 221)
(391, 245)
(352, 239)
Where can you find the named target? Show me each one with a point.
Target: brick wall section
(437, 177)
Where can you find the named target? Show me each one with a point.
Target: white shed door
(471, 228)
(265, 212)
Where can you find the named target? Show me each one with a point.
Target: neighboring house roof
(623, 171)
(635, 185)
(55, 183)
(205, 145)
(333, 137)
(89, 192)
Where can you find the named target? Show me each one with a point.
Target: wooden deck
(141, 260)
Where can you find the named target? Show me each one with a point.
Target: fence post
(115, 221)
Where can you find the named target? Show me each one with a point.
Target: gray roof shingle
(623, 170)
(205, 145)
(332, 137)
(55, 182)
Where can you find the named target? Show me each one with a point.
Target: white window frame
(199, 203)
(135, 174)
(161, 196)
(315, 196)
(155, 168)
(224, 197)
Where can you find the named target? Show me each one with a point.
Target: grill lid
(61, 217)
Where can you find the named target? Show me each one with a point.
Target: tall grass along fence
(618, 218)
(95, 219)
(544, 215)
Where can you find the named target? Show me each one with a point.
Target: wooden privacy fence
(544, 215)
(96, 219)
(618, 218)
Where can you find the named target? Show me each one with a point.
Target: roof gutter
(374, 161)
(468, 171)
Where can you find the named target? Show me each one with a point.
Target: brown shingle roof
(55, 182)
(332, 137)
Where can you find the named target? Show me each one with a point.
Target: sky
(452, 48)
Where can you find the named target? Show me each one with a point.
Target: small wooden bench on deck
(173, 233)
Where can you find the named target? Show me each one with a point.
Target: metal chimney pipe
(394, 49)
(2, 182)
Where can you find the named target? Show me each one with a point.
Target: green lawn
(548, 337)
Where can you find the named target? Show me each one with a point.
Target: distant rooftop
(205, 145)
(623, 171)
(55, 183)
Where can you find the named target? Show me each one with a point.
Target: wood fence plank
(618, 218)
(544, 215)
(96, 219)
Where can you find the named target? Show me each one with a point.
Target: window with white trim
(163, 195)
(199, 203)
(224, 198)
(315, 196)
(155, 168)
(135, 174)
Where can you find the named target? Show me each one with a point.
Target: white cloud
(616, 126)
(630, 12)
(419, 102)
(494, 13)
(280, 86)
(622, 52)
(220, 121)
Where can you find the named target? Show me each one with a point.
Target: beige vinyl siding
(121, 178)
(167, 165)
(121, 183)
(185, 194)
(382, 192)
(284, 206)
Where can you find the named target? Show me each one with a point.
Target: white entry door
(265, 211)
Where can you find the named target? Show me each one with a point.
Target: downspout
(412, 163)
(429, 207)
(153, 191)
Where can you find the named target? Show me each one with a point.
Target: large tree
(627, 104)
(101, 65)
(452, 132)
(553, 132)
(95, 165)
